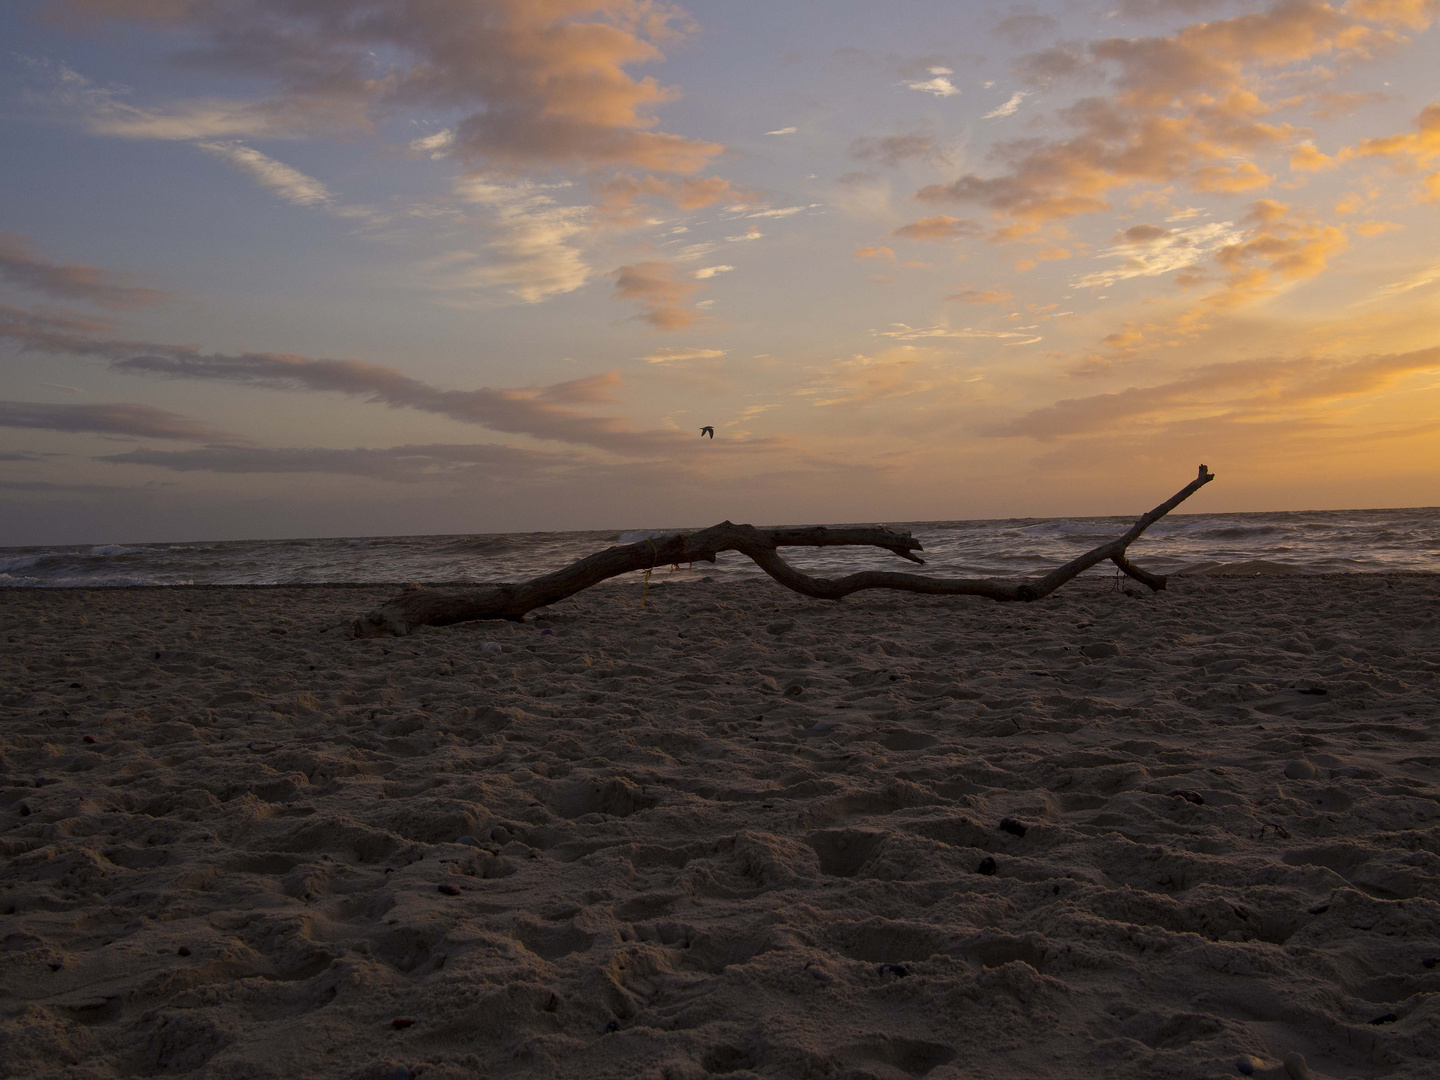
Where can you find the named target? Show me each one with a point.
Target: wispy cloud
(942, 227)
(1249, 390)
(134, 421)
(671, 356)
(1149, 251)
(938, 84)
(893, 149)
(1009, 108)
(660, 291)
(903, 332)
(397, 464)
(532, 251)
(710, 271)
(782, 131)
(543, 412)
(20, 265)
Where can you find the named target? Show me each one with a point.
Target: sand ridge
(737, 833)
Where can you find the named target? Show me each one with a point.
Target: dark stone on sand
(1317, 691)
(1388, 1018)
(184, 950)
(612, 1026)
(1296, 1065)
(1099, 650)
(450, 890)
(87, 738)
(469, 841)
(1430, 961)
(1318, 909)
(56, 965)
(1013, 827)
(1188, 795)
(552, 1004)
(900, 971)
(1247, 1064)
(987, 866)
(400, 1023)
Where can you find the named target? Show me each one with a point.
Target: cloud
(980, 296)
(531, 252)
(21, 266)
(752, 233)
(1281, 248)
(875, 253)
(936, 228)
(938, 84)
(1306, 158)
(398, 464)
(782, 131)
(1184, 108)
(289, 184)
(671, 356)
(891, 150)
(656, 288)
(541, 84)
(1413, 150)
(1417, 280)
(544, 412)
(135, 421)
(1149, 251)
(780, 212)
(902, 332)
(436, 146)
(1009, 107)
(710, 271)
(621, 197)
(1245, 390)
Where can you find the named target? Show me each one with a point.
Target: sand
(736, 834)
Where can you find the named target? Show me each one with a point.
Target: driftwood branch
(419, 606)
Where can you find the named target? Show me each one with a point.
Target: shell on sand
(735, 830)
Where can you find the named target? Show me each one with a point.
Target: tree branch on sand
(419, 606)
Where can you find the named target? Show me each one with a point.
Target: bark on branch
(418, 606)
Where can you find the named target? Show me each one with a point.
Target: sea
(1323, 541)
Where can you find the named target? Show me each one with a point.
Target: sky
(286, 268)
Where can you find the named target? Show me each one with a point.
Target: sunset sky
(280, 268)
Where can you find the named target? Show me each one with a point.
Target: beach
(734, 832)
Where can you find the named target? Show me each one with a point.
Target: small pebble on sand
(1013, 827)
(1299, 769)
(987, 866)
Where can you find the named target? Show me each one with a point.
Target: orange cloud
(1307, 158)
(980, 296)
(1415, 150)
(1183, 108)
(622, 197)
(547, 82)
(875, 253)
(655, 287)
(1245, 390)
(936, 228)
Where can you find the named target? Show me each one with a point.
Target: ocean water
(1328, 541)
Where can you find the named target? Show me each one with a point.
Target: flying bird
(707, 430)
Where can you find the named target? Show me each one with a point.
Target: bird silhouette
(707, 430)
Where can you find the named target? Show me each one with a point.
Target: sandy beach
(736, 833)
